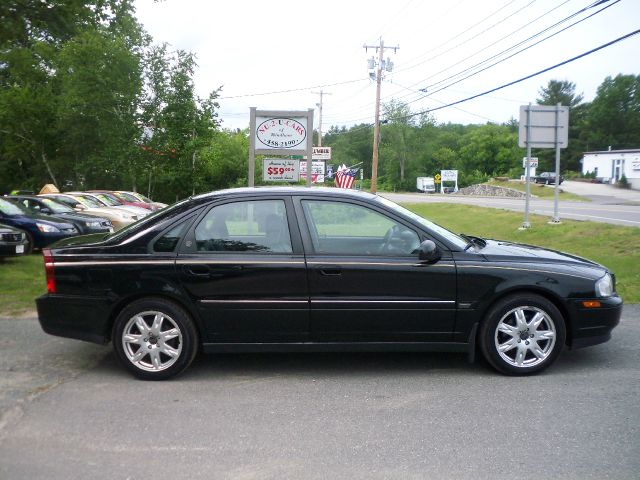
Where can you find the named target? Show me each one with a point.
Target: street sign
(545, 120)
(437, 178)
(533, 162)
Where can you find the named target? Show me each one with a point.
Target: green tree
(36, 39)
(224, 161)
(564, 92)
(489, 149)
(614, 115)
(559, 91)
(100, 84)
(396, 142)
(177, 124)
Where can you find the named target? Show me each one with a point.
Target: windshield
(127, 197)
(56, 207)
(9, 208)
(89, 201)
(434, 227)
(108, 199)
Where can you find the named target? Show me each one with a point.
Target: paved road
(608, 204)
(77, 415)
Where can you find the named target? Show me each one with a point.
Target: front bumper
(591, 326)
(12, 249)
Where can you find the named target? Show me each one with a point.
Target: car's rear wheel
(155, 339)
(522, 334)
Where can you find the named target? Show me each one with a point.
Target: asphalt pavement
(605, 203)
(69, 411)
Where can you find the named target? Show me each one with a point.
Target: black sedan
(13, 241)
(548, 178)
(41, 230)
(46, 206)
(290, 269)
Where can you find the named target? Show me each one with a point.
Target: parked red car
(131, 201)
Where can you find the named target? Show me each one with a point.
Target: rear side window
(251, 226)
(169, 241)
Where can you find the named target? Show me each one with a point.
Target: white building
(610, 165)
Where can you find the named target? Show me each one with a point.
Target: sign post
(543, 126)
(449, 176)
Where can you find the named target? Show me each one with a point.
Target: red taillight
(48, 270)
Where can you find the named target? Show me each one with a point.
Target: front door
(244, 267)
(365, 279)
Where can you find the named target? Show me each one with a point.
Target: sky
(255, 49)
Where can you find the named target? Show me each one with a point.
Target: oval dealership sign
(281, 133)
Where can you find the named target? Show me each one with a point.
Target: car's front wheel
(522, 334)
(155, 338)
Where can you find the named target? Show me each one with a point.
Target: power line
(505, 37)
(540, 72)
(521, 43)
(469, 39)
(624, 37)
(462, 72)
(293, 89)
(507, 58)
(466, 30)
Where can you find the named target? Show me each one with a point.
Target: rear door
(243, 265)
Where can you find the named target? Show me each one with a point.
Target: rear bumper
(82, 318)
(592, 326)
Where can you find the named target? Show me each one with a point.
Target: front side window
(345, 228)
(251, 226)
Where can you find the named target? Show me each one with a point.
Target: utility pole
(380, 65)
(319, 105)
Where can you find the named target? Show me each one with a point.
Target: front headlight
(604, 286)
(93, 224)
(43, 227)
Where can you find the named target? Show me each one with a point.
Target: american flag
(345, 177)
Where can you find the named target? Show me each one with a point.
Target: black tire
(529, 328)
(28, 249)
(154, 351)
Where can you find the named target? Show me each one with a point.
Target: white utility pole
(319, 105)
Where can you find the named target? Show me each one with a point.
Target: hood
(32, 218)
(79, 217)
(498, 250)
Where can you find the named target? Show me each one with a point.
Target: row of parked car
(29, 221)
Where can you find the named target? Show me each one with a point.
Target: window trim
(188, 244)
(393, 218)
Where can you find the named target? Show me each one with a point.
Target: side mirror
(45, 210)
(79, 207)
(429, 252)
